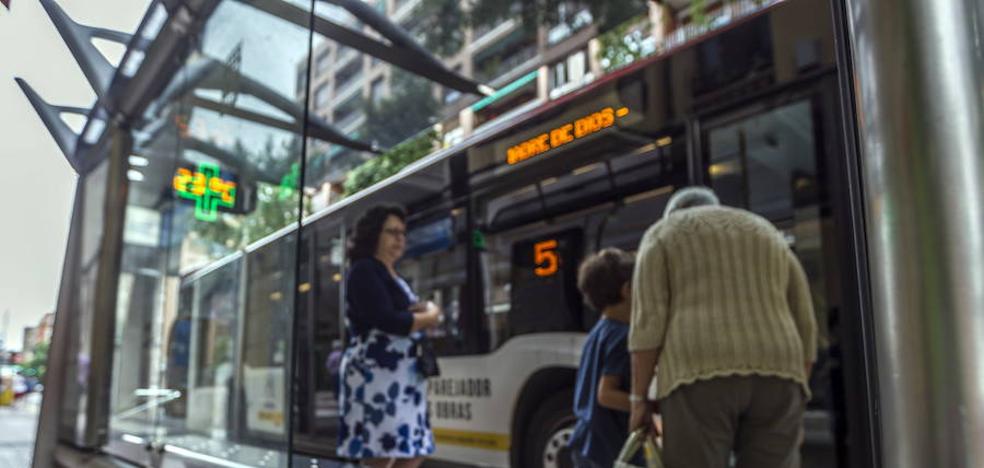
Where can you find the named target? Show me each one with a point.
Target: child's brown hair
(602, 276)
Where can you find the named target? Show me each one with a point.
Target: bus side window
(267, 316)
(440, 277)
(495, 278)
(436, 268)
(625, 226)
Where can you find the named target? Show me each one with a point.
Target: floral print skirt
(383, 400)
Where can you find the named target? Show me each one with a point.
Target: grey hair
(690, 197)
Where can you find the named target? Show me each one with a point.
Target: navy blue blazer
(375, 300)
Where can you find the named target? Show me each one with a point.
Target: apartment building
(527, 68)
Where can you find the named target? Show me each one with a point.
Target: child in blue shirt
(601, 397)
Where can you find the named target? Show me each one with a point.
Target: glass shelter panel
(206, 291)
(435, 268)
(319, 339)
(76, 390)
(136, 386)
(249, 170)
(264, 351)
(387, 115)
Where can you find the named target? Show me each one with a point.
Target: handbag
(427, 359)
(639, 439)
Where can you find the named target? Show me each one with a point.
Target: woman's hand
(426, 315)
(428, 307)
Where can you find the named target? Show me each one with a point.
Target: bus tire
(549, 432)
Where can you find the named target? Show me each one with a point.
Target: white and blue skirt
(383, 399)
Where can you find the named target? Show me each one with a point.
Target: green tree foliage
(623, 44)
(38, 363)
(274, 210)
(441, 26)
(698, 12)
(390, 162)
(447, 18)
(276, 204)
(410, 107)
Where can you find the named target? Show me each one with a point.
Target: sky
(38, 185)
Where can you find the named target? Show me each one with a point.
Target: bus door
(771, 158)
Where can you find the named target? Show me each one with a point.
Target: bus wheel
(549, 432)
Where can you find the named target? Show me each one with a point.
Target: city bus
(498, 225)
(183, 339)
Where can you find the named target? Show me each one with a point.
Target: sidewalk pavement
(17, 426)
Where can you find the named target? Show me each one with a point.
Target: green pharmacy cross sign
(206, 188)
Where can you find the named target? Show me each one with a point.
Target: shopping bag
(427, 359)
(639, 440)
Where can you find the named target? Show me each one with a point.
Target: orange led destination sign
(564, 134)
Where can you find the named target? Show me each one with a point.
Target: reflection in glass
(319, 340)
(213, 344)
(136, 389)
(203, 324)
(434, 266)
(245, 116)
(203, 338)
(264, 350)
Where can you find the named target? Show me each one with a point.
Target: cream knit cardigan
(718, 290)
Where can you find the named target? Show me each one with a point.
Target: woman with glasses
(384, 396)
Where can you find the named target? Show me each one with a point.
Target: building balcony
(567, 29)
(344, 57)
(348, 88)
(351, 122)
(403, 9)
(496, 69)
(483, 38)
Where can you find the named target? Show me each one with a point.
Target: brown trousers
(759, 418)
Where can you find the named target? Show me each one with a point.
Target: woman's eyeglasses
(395, 232)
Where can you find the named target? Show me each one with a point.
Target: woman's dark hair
(368, 227)
(602, 276)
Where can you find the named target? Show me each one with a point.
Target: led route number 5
(545, 257)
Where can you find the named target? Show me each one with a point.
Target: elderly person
(384, 396)
(722, 307)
